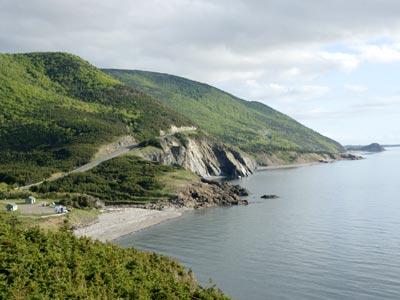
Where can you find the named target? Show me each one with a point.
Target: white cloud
(278, 88)
(356, 88)
(314, 113)
(275, 51)
(365, 53)
(315, 90)
(380, 53)
(368, 108)
(347, 62)
(266, 92)
(382, 103)
(204, 39)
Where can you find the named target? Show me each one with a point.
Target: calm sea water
(334, 233)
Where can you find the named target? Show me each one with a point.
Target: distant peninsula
(374, 147)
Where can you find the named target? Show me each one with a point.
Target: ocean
(333, 233)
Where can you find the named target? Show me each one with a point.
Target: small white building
(11, 207)
(30, 200)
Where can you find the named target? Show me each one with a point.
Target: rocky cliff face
(122, 141)
(200, 194)
(201, 156)
(208, 193)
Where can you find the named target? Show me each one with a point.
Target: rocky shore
(206, 193)
(210, 193)
(125, 219)
(121, 220)
(350, 156)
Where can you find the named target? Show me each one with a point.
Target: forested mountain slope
(251, 126)
(56, 109)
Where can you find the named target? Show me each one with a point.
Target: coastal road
(87, 166)
(119, 152)
(96, 162)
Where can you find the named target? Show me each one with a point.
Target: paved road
(87, 166)
(96, 162)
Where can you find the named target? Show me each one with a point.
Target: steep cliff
(200, 155)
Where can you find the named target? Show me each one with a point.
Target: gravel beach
(118, 222)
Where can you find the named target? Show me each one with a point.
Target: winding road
(96, 162)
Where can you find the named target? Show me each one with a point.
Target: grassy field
(177, 180)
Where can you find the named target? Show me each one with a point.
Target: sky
(331, 65)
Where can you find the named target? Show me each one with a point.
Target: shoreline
(118, 222)
(356, 156)
(261, 168)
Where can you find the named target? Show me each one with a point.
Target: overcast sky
(332, 65)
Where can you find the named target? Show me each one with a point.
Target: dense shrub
(39, 265)
(124, 178)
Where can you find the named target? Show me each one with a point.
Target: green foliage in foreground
(124, 178)
(39, 265)
(252, 126)
(56, 110)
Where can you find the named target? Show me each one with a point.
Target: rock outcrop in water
(269, 197)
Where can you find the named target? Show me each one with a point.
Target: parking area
(36, 209)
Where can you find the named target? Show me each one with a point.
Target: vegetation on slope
(58, 265)
(251, 126)
(56, 109)
(121, 179)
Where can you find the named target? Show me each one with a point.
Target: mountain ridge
(57, 110)
(247, 125)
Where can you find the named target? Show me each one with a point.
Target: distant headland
(374, 147)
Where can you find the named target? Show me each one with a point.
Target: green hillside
(56, 109)
(123, 179)
(251, 126)
(58, 265)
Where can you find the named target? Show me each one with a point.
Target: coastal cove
(199, 150)
(332, 234)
